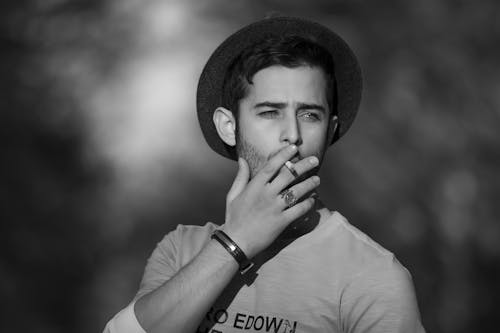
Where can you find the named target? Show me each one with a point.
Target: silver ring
(289, 165)
(289, 198)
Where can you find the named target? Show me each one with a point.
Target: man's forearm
(181, 302)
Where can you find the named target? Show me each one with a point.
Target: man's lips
(295, 158)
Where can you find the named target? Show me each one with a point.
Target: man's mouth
(295, 158)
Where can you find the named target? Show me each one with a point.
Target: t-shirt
(332, 279)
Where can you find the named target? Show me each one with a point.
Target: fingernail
(293, 147)
(316, 179)
(313, 160)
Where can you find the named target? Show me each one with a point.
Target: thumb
(241, 180)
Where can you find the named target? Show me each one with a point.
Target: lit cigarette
(291, 167)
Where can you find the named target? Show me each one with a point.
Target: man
(274, 96)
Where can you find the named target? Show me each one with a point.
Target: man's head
(290, 43)
(277, 92)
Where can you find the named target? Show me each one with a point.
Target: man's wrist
(236, 252)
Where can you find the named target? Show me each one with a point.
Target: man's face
(283, 106)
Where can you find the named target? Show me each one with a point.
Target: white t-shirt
(332, 279)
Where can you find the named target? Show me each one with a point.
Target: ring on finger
(289, 198)
(290, 166)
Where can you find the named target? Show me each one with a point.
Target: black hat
(210, 86)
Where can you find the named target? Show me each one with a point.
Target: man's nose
(291, 131)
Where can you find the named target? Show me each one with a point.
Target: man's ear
(225, 123)
(332, 128)
(334, 123)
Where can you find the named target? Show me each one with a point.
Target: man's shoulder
(357, 238)
(188, 234)
(185, 241)
(376, 290)
(186, 230)
(359, 252)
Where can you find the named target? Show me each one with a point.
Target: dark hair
(289, 51)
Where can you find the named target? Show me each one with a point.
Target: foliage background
(102, 155)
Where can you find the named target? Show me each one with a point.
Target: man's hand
(256, 213)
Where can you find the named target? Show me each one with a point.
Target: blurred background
(102, 154)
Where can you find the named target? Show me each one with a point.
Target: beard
(251, 155)
(256, 160)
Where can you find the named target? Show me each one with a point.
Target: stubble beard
(251, 155)
(257, 160)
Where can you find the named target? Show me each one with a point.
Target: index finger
(275, 163)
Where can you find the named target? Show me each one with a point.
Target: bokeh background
(102, 154)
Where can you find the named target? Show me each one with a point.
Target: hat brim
(210, 86)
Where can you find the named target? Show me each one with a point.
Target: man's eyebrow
(275, 105)
(280, 105)
(311, 106)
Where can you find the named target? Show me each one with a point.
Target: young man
(274, 96)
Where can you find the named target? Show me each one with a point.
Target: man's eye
(269, 114)
(311, 116)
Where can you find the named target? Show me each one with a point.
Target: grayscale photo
(250, 166)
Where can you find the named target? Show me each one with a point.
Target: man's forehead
(279, 84)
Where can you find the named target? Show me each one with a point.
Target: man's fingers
(298, 210)
(240, 181)
(275, 163)
(286, 176)
(305, 186)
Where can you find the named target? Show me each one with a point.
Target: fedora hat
(210, 86)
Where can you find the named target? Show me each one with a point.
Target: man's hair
(288, 51)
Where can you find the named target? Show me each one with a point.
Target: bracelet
(234, 250)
